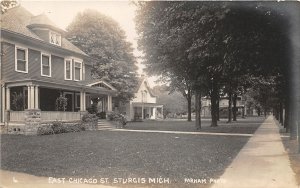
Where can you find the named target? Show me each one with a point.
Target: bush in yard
(45, 130)
(58, 127)
(120, 119)
(90, 121)
(73, 127)
(89, 117)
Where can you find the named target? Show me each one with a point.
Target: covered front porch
(143, 111)
(19, 97)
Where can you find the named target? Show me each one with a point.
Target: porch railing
(60, 116)
(17, 116)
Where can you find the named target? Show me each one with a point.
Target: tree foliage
(105, 42)
(6, 4)
(178, 38)
(214, 46)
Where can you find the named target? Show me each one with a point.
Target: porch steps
(103, 124)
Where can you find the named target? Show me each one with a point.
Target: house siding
(58, 69)
(88, 73)
(8, 63)
(34, 66)
(34, 63)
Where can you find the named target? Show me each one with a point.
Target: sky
(62, 14)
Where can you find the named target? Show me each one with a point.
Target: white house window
(55, 38)
(68, 69)
(21, 62)
(46, 65)
(77, 71)
(144, 96)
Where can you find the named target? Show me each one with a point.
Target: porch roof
(140, 104)
(58, 84)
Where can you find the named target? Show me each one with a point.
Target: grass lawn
(116, 154)
(245, 126)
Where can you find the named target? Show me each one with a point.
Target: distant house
(38, 65)
(223, 106)
(143, 105)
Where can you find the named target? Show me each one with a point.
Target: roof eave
(31, 39)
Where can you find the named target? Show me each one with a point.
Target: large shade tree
(104, 41)
(168, 34)
(213, 45)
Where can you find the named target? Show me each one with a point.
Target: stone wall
(32, 121)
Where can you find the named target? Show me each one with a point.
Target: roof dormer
(46, 29)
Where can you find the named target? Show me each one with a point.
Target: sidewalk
(262, 162)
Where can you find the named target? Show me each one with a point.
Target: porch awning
(141, 104)
(66, 85)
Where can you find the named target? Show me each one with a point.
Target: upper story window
(46, 65)
(77, 71)
(144, 96)
(68, 69)
(21, 61)
(55, 38)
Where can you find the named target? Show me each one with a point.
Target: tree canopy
(104, 41)
(6, 4)
(213, 45)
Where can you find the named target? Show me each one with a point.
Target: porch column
(3, 102)
(81, 101)
(36, 97)
(84, 101)
(7, 98)
(109, 103)
(154, 113)
(28, 96)
(32, 97)
(143, 111)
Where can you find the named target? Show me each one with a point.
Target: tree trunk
(243, 112)
(229, 106)
(234, 106)
(189, 100)
(198, 110)
(214, 98)
(218, 108)
(286, 117)
(281, 113)
(265, 113)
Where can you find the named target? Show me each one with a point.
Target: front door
(70, 99)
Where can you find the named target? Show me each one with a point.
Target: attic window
(55, 38)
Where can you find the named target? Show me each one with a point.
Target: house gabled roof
(96, 82)
(17, 20)
(142, 80)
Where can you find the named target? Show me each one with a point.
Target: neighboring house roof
(19, 20)
(141, 80)
(96, 82)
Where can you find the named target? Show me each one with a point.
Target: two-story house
(38, 65)
(223, 106)
(143, 105)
